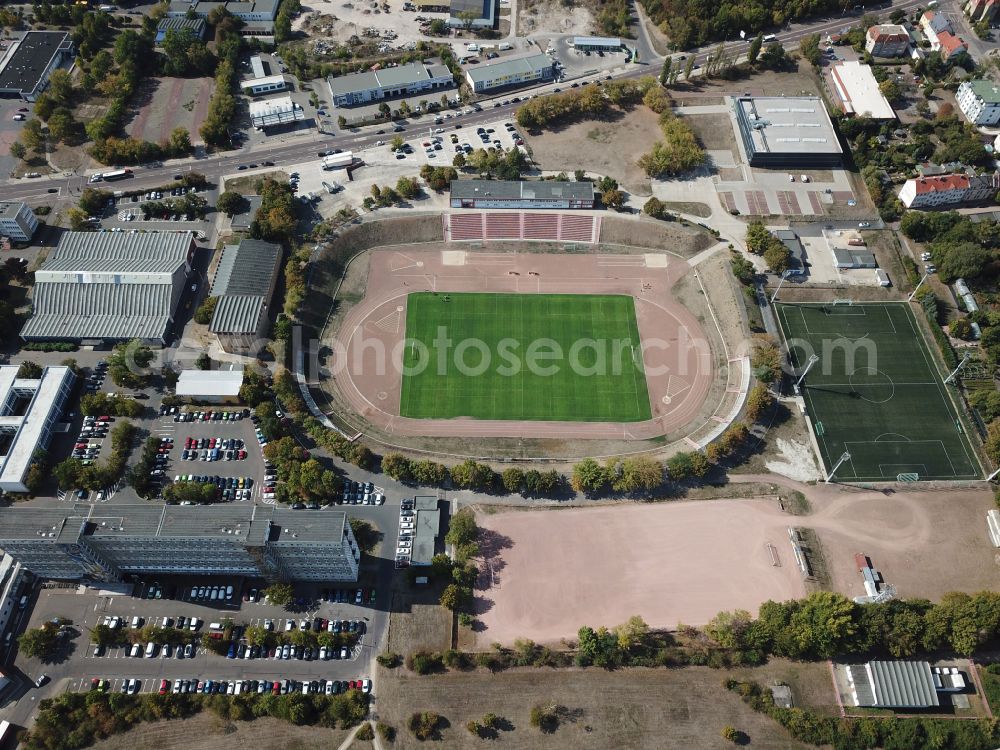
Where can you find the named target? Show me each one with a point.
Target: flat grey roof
(596, 41)
(223, 521)
(514, 65)
(197, 25)
(522, 190)
(787, 124)
(26, 65)
(9, 209)
(483, 8)
(244, 219)
(426, 529)
(209, 382)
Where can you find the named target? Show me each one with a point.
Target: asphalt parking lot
(86, 610)
(242, 430)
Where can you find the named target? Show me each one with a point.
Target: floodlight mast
(919, 284)
(813, 359)
(845, 456)
(961, 364)
(784, 275)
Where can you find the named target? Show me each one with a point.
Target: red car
(242, 455)
(95, 683)
(80, 445)
(276, 688)
(211, 443)
(104, 418)
(164, 686)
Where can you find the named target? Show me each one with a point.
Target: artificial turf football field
(889, 407)
(588, 393)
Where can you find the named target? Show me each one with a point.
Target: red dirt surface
(547, 573)
(368, 373)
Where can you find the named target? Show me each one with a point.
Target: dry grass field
(636, 709)
(607, 147)
(206, 731)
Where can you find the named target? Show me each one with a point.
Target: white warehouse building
(376, 85)
(29, 409)
(513, 72)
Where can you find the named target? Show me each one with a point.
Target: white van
(504, 46)
(215, 626)
(472, 47)
(769, 38)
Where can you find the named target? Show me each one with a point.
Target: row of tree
(592, 100)
(760, 241)
(222, 106)
(472, 475)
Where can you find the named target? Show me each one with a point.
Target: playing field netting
(602, 381)
(875, 392)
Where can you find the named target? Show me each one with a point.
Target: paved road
(294, 149)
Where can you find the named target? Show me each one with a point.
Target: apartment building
(948, 190)
(979, 102)
(17, 221)
(887, 40)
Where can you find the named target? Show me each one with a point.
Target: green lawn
(578, 386)
(876, 393)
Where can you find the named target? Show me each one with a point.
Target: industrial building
(386, 83)
(112, 543)
(257, 15)
(785, 132)
(29, 411)
(514, 71)
(521, 194)
(948, 190)
(859, 92)
(900, 684)
(99, 288)
(244, 283)
(273, 112)
(472, 14)
(196, 26)
(979, 102)
(597, 44)
(854, 257)
(17, 221)
(265, 85)
(210, 386)
(887, 40)
(29, 61)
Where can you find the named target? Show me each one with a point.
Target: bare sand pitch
(549, 572)
(372, 387)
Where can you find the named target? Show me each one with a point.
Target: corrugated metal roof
(902, 684)
(522, 189)
(121, 246)
(100, 311)
(247, 268)
(237, 313)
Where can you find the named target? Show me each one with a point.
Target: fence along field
(876, 393)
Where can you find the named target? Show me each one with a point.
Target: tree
(18, 150)
(774, 56)
(62, 126)
(589, 477)
(638, 473)
(29, 370)
(203, 315)
(462, 529)
(280, 594)
(754, 51)
(668, 64)
(180, 142)
(33, 136)
(809, 47)
(454, 596)
(204, 361)
(777, 256)
(459, 161)
(688, 68)
(93, 201)
(407, 187)
(759, 400)
(40, 643)
(964, 260)
(231, 203)
(613, 198)
(632, 633)
(512, 479)
(128, 363)
(397, 466)
(891, 90)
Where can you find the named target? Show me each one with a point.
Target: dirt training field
(676, 354)
(548, 573)
(168, 103)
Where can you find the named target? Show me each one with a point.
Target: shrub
(389, 660)
(366, 733)
(424, 662)
(424, 724)
(544, 718)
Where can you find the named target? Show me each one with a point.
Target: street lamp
(784, 275)
(813, 359)
(845, 456)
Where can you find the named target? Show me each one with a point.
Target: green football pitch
(489, 372)
(876, 393)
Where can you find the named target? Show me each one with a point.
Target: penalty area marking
(453, 257)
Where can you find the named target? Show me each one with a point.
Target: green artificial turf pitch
(889, 408)
(588, 393)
